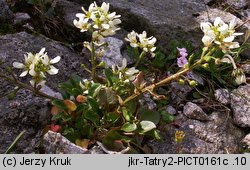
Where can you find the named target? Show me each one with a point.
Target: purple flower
(182, 60)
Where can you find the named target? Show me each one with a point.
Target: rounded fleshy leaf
(70, 105)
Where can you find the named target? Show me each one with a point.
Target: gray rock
(240, 104)
(27, 111)
(179, 92)
(147, 101)
(222, 95)
(246, 140)
(170, 109)
(47, 90)
(68, 10)
(245, 68)
(195, 76)
(112, 54)
(55, 143)
(216, 136)
(6, 15)
(21, 18)
(238, 4)
(193, 111)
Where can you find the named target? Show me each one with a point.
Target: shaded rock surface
(160, 19)
(240, 104)
(193, 111)
(6, 15)
(216, 136)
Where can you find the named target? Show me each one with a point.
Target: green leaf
(159, 59)
(93, 104)
(150, 115)
(60, 104)
(196, 95)
(154, 134)
(132, 52)
(93, 117)
(80, 122)
(15, 142)
(82, 108)
(94, 89)
(126, 114)
(107, 96)
(112, 136)
(31, 2)
(167, 117)
(68, 131)
(61, 116)
(75, 80)
(129, 127)
(88, 131)
(50, 12)
(147, 126)
(110, 76)
(112, 117)
(132, 106)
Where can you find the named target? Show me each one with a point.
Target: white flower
(99, 19)
(82, 23)
(125, 74)
(141, 41)
(241, 79)
(239, 75)
(220, 33)
(132, 38)
(37, 65)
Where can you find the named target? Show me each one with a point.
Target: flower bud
(181, 81)
(217, 61)
(81, 99)
(193, 83)
(102, 64)
(206, 65)
(207, 58)
(55, 128)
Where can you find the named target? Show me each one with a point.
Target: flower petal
(228, 39)
(42, 51)
(24, 73)
(52, 70)
(55, 60)
(18, 65)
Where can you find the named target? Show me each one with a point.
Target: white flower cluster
(125, 74)
(99, 20)
(37, 65)
(141, 41)
(220, 33)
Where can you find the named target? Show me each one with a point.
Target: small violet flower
(182, 60)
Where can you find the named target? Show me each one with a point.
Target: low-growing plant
(106, 107)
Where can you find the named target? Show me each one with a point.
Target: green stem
(139, 59)
(26, 86)
(93, 72)
(170, 78)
